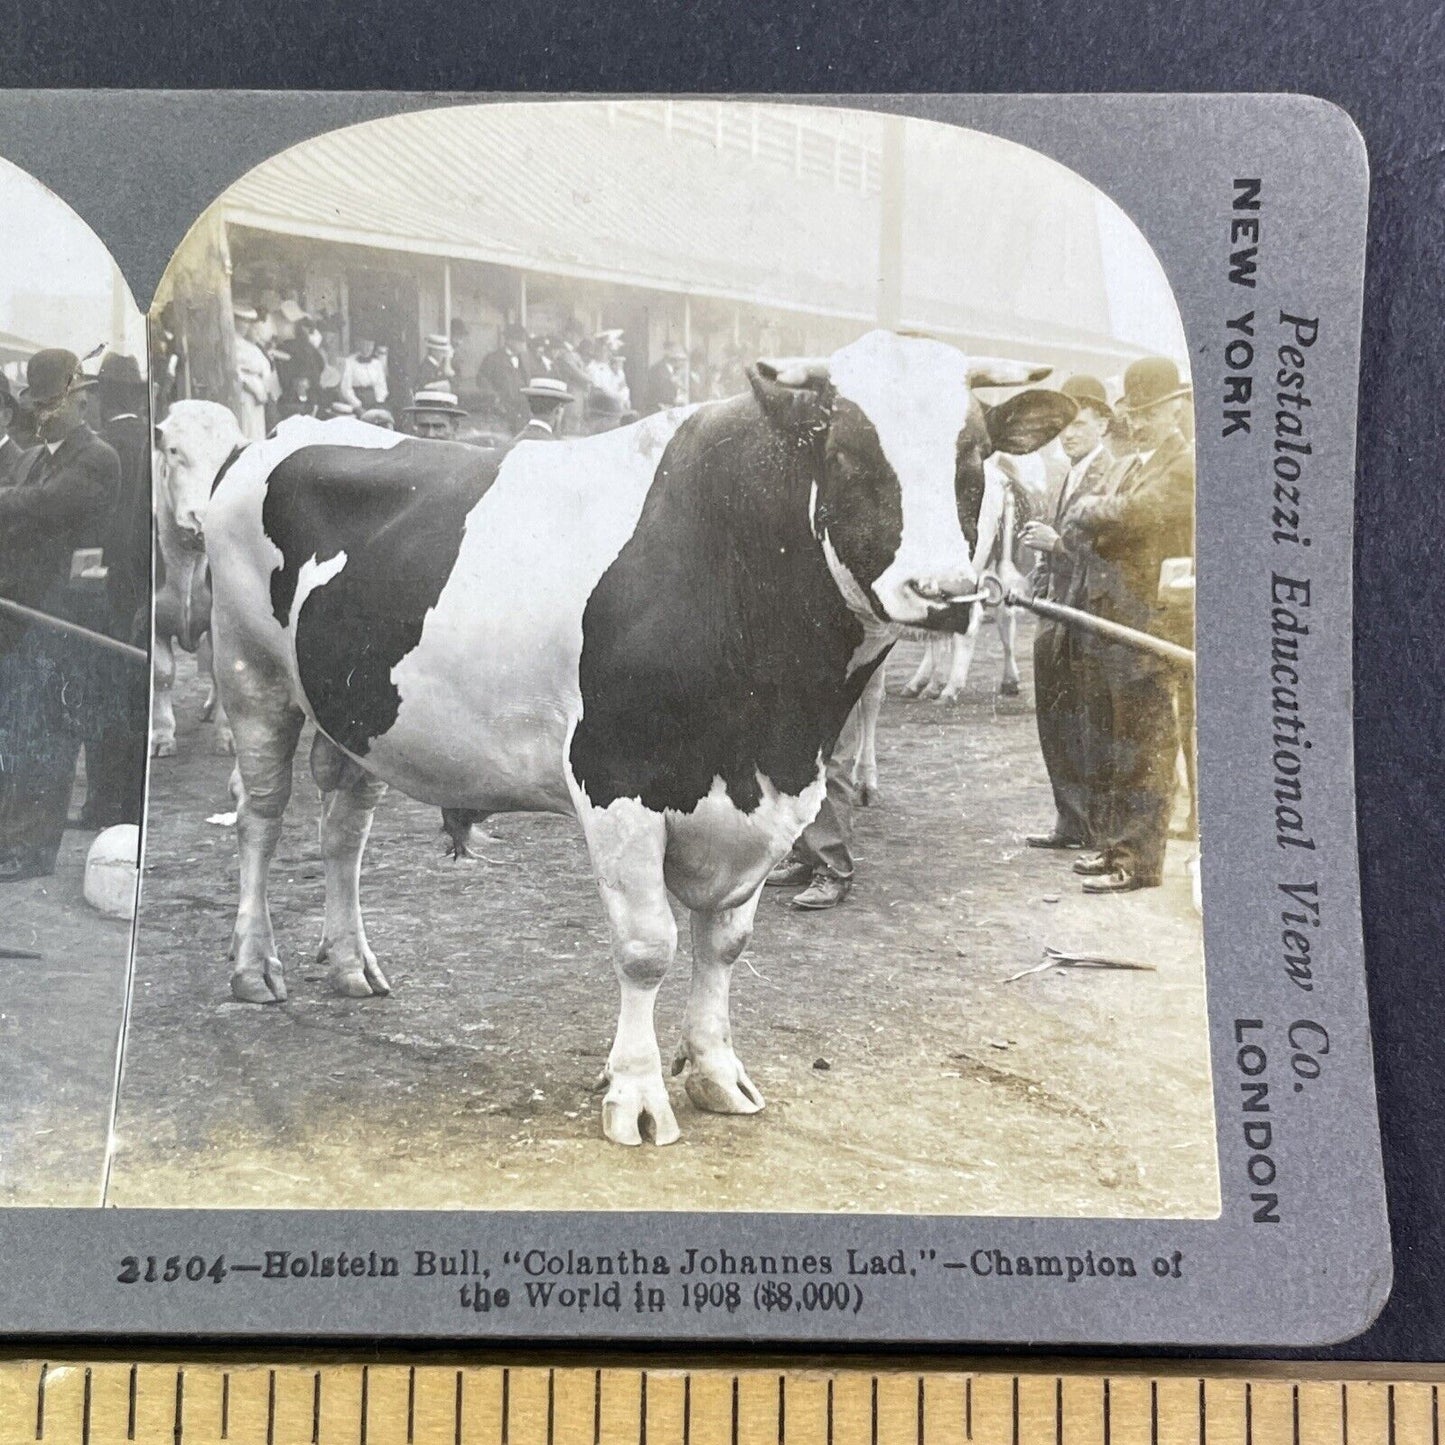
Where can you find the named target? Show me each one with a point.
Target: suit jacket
(1121, 534)
(1054, 575)
(501, 378)
(63, 501)
(128, 537)
(11, 454)
(535, 431)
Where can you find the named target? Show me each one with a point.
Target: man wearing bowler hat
(115, 727)
(1058, 681)
(1121, 537)
(433, 414)
(62, 502)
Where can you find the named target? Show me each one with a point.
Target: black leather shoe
(825, 891)
(1091, 865)
(17, 867)
(1055, 841)
(1118, 880)
(789, 873)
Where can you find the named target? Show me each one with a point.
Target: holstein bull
(192, 444)
(660, 629)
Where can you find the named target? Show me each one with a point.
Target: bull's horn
(795, 370)
(996, 371)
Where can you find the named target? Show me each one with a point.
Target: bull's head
(192, 445)
(901, 441)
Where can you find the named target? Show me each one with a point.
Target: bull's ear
(795, 395)
(1025, 422)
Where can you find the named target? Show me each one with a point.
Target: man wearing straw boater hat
(1121, 536)
(437, 368)
(546, 396)
(434, 414)
(61, 502)
(1058, 691)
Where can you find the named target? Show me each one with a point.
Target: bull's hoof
(263, 982)
(163, 747)
(353, 976)
(948, 697)
(910, 691)
(637, 1107)
(868, 795)
(1009, 687)
(716, 1081)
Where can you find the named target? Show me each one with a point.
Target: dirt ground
(60, 1019)
(903, 1070)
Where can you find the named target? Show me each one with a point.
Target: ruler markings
(104, 1403)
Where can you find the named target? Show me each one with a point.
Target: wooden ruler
(292, 1402)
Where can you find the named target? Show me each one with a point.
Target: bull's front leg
(163, 708)
(960, 662)
(716, 1080)
(627, 844)
(1010, 684)
(349, 795)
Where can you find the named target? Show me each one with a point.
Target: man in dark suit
(62, 502)
(1121, 536)
(502, 375)
(115, 727)
(1058, 694)
(10, 450)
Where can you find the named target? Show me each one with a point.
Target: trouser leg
(1146, 746)
(1058, 714)
(827, 841)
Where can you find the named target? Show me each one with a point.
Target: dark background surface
(1385, 65)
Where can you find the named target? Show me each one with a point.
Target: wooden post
(687, 347)
(521, 298)
(198, 283)
(447, 298)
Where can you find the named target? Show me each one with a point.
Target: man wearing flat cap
(62, 502)
(1121, 536)
(1059, 704)
(433, 414)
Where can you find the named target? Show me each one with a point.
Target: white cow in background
(948, 657)
(193, 443)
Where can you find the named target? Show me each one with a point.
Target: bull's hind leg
(627, 844)
(163, 707)
(349, 795)
(923, 674)
(211, 710)
(716, 1080)
(267, 726)
(1008, 629)
(864, 722)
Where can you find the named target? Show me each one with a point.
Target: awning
(998, 243)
